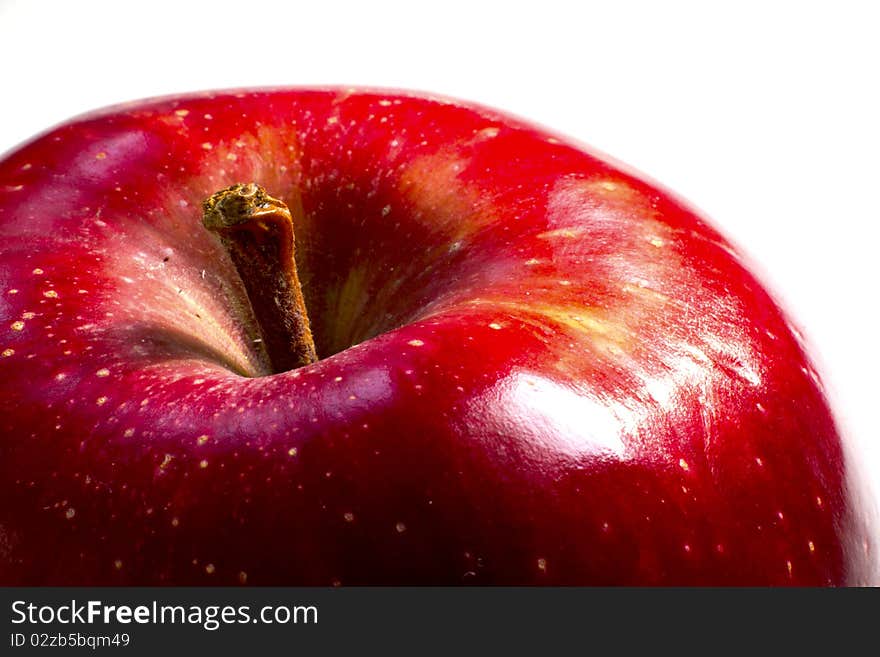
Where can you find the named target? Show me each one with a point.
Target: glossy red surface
(537, 367)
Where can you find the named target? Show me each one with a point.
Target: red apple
(535, 366)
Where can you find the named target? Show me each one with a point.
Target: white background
(763, 114)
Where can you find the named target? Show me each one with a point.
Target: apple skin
(537, 366)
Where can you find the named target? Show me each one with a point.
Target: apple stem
(257, 232)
